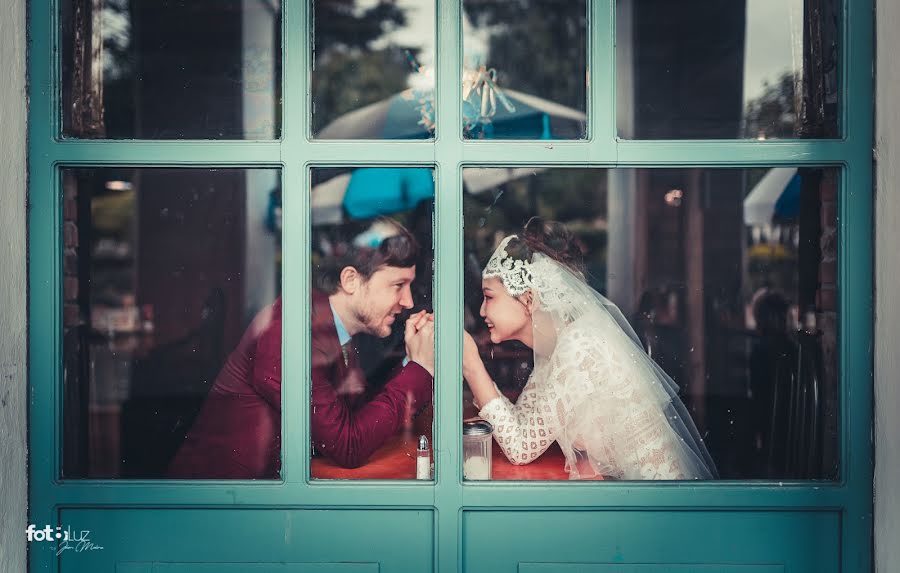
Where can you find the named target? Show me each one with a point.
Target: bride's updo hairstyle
(550, 238)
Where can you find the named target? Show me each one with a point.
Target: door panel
(646, 568)
(250, 540)
(651, 542)
(247, 568)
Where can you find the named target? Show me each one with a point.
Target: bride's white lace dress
(614, 412)
(586, 397)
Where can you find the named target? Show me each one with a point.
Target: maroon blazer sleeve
(266, 376)
(350, 436)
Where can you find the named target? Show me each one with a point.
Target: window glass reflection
(171, 69)
(524, 69)
(372, 323)
(373, 69)
(164, 269)
(725, 281)
(761, 69)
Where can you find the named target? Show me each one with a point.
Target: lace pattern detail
(515, 274)
(526, 429)
(590, 399)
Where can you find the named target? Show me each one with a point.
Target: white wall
(887, 277)
(13, 487)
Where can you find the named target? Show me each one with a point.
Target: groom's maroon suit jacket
(238, 431)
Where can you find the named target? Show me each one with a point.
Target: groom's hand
(420, 319)
(419, 339)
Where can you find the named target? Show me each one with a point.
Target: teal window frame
(295, 154)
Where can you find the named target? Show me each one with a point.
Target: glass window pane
(724, 281)
(372, 323)
(524, 69)
(761, 69)
(373, 69)
(172, 69)
(164, 270)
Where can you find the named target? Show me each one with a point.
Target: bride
(613, 411)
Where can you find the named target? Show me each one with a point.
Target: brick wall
(71, 311)
(826, 317)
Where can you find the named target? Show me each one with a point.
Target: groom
(362, 290)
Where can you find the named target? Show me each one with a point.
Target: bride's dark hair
(550, 238)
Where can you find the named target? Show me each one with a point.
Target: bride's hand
(472, 363)
(476, 375)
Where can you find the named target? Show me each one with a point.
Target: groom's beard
(372, 323)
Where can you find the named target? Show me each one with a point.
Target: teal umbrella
(371, 191)
(374, 191)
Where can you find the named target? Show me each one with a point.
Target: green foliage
(773, 114)
(348, 71)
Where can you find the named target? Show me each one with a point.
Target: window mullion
(448, 153)
(295, 257)
(602, 79)
(855, 288)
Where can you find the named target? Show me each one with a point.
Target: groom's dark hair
(550, 238)
(398, 250)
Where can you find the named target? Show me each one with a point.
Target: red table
(397, 460)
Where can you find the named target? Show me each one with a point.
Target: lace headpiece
(515, 273)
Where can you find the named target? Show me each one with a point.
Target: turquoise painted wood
(448, 526)
(258, 541)
(651, 542)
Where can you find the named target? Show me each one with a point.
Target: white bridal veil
(619, 414)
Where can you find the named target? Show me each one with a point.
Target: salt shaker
(423, 459)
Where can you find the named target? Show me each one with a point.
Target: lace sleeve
(523, 430)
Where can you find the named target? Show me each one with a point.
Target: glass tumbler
(477, 450)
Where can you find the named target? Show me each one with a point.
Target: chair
(169, 388)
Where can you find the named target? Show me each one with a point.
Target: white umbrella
(479, 179)
(402, 116)
(759, 206)
(327, 201)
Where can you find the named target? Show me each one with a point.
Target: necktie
(345, 350)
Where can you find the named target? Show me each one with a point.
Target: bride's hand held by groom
(419, 338)
(472, 363)
(475, 373)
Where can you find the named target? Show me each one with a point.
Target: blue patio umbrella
(405, 116)
(374, 191)
(371, 191)
(788, 204)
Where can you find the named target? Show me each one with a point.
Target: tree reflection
(351, 68)
(773, 114)
(537, 46)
